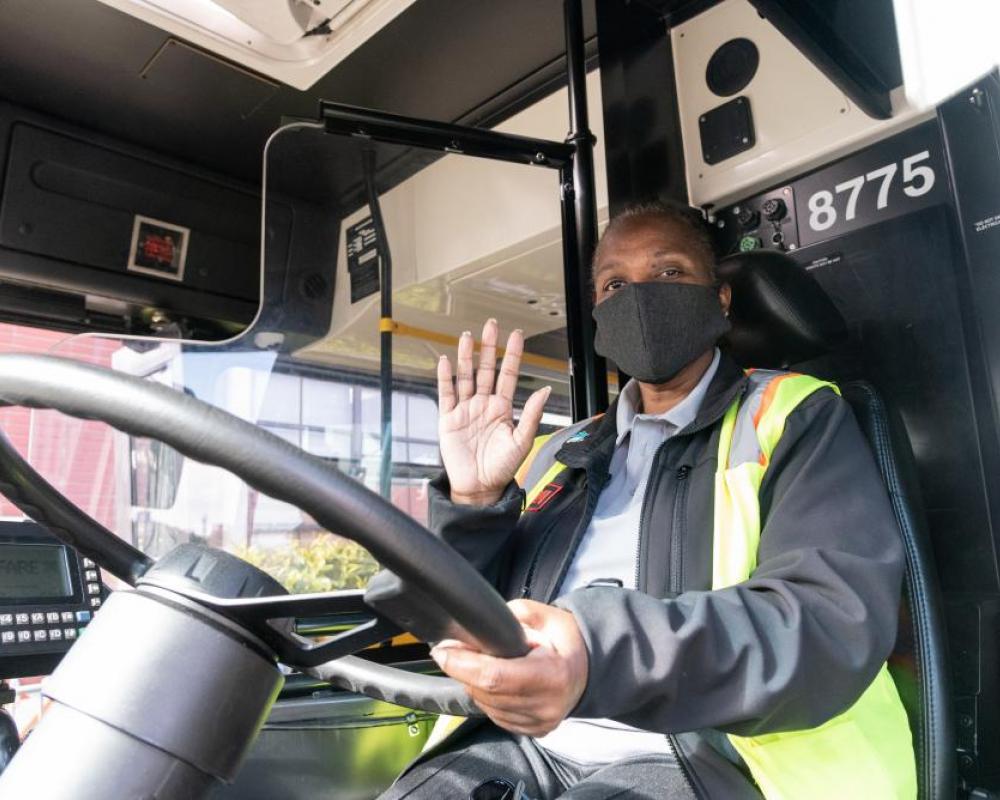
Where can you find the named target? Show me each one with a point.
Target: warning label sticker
(986, 224)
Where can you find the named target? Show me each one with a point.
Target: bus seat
(782, 317)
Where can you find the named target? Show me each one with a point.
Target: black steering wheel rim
(285, 472)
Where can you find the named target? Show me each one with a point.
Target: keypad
(26, 630)
(46, 627)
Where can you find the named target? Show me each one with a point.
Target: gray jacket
(791, 647)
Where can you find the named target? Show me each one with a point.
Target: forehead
(645, 236)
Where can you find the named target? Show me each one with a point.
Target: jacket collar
(598, 443)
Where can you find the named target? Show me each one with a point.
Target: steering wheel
(431, 590)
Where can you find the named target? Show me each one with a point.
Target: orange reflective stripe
(768, 398)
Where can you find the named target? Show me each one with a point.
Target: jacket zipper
(682, 762)
(537, 556)
(677, 530)
(644, 509)
(529, 577)
(679, 515)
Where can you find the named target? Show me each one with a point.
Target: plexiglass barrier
(470, 239)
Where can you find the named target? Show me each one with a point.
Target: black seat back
(919, 663)
(781, 316)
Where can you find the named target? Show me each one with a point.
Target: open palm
(480, 445)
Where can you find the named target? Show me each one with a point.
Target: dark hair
(685, 217)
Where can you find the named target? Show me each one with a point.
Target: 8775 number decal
(915, 177)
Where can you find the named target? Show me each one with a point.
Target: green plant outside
(324, 564)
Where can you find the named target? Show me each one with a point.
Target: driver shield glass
(469, 239)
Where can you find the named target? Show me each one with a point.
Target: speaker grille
(732, 66)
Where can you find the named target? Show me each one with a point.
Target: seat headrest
(779, 313)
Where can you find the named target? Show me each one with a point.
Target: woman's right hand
(481, 447)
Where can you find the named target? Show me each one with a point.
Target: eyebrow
(607, 265)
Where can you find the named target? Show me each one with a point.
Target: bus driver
(708, 574)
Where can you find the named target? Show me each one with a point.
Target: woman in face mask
(658, 314)
(658, 310)
(606, 548)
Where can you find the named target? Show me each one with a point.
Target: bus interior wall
(913, 280)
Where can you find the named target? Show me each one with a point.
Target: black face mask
(653, 330)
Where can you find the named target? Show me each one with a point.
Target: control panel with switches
(764, 221)
(48, 595)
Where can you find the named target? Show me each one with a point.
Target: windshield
(309, 367)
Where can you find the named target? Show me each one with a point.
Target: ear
(725, 298)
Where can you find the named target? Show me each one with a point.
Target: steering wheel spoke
(299, 651)
(271, 619)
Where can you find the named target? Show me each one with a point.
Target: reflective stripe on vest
(867, 750)
(546, 478)
(525, 468)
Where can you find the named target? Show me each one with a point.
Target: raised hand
(481, 447)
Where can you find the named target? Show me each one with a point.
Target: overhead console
(48, 595)
(97, 234)
(755, 110)
(97, 230)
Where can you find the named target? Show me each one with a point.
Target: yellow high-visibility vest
(864, 752)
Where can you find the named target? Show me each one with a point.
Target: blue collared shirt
(611, 544)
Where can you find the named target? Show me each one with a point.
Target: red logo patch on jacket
(543, 497)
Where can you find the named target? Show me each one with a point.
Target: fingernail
(442, 357)
(519, 330)
(440, 656)
(491, 319)
(466, 333)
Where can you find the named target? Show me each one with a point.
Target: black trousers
(490, 752)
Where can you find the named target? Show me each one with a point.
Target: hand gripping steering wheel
(430, 590)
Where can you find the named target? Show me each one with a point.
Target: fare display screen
(33, 571)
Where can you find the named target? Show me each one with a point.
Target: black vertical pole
(385, 322)
(579, 202)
